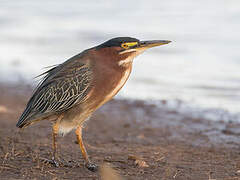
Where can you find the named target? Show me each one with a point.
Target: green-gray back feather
(62, 87)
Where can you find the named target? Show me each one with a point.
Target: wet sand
(121, 133)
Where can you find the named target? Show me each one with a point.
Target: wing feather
(61, 89)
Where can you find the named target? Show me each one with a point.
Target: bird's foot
(50, 161)
(91, 166)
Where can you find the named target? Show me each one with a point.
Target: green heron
(70, 92)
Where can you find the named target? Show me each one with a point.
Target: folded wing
(61, 88)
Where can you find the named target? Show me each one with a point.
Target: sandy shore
(172, 145)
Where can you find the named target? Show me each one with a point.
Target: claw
(55, 163)
(50, 161)
(91, 167)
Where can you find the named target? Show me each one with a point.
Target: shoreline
(168, 141)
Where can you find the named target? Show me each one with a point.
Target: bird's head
(124, 49)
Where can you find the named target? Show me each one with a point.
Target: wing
(62, 87)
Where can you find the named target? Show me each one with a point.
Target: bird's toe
(91, 167)
(50, 161)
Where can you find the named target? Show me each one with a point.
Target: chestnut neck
(111, 57)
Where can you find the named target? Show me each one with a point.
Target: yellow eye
(127, 45)
(124, 45)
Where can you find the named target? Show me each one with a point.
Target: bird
(69, 93)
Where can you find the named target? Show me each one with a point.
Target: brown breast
(108, 79)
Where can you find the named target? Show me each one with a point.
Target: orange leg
(55, 129)
(90, 166)
(54, 144)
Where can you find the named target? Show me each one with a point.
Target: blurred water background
(200, 67)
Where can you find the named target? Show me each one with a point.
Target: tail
(24, 118)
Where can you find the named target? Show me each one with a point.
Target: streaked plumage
(70, 92)
(62, 87)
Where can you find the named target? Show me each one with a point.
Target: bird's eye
(124, 45)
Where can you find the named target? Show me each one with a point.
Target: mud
(167, 144)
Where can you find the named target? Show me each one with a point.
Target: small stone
(141, 136)
(3, 109)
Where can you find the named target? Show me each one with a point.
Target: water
(200, 67)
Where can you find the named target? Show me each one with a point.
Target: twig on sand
(110, 160)
(138, 161)
(209, 176)
(175, 175)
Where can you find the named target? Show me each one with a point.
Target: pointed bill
(149, 44)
